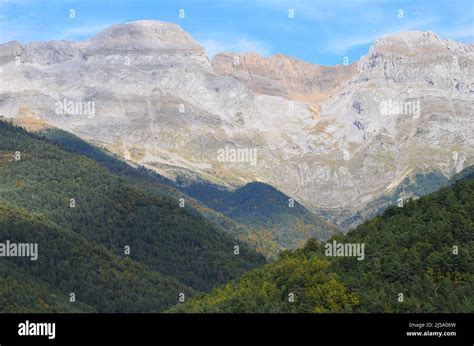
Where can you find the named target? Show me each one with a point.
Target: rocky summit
(334, 137)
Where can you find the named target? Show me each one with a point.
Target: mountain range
(342, 141)
(150, 175)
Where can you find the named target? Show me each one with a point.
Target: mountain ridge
(335, 149)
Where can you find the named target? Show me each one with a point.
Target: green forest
(68, 263)
(261, 241)
(277, 222)
(256, 213)
(176, 248)
(419, 258)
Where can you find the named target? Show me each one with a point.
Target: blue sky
(321, 32)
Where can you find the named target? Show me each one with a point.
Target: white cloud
(342, 44)
(77, 32)
(459, 32)
(236, 45)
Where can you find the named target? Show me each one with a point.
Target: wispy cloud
(340, 44)
(80, 32)
(459, 32)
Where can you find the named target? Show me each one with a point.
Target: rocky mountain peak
(417, 59)
(407, 41)
(419, 45)
(144, 35)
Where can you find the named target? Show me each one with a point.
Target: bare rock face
(336, 138)
(280, 75)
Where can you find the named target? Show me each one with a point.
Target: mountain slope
(113, 212)
(409, 251)
(264, 220)
(413, 186)
(157, 184)
(22, 293)
(100, 280)
(274, 218)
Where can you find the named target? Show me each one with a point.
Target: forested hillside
(419, 258)
(278, 222)
(67, 263)
(256, 213)
(157, 184)
(81, 197)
